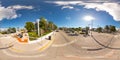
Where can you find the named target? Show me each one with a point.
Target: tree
(107, 28)
(47, 25)
(50, 25)
(99, 29)
(87, 29)
(54, 26)
(61, 28)
(43, 23)
(112, 28)
(80, 29)
(11, 30)
(30, 26)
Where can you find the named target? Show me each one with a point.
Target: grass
(34, 36)
(46, 33)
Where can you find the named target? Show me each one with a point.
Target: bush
(4, 32)
(33, 35)
(32, 38)
(82, 32)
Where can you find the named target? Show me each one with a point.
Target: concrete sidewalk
(26, 47)
(39, 46)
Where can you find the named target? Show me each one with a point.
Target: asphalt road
(66, 47)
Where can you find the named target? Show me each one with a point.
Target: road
(65, 47)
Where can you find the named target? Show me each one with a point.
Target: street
(64, 47)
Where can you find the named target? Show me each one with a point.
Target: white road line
(65, 44)
(13, 55)
(87, 47)
(85, 56)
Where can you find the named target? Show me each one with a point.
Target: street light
(0, 28)
(38, 27)
(89, 18)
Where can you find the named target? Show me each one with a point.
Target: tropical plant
(30, 26)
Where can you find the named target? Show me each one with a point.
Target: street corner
(34, 47)
(21, 37)
(23, 40)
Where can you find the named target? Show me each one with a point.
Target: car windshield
(60, 29)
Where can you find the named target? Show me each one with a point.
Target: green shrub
(4, 32)
(34, 35)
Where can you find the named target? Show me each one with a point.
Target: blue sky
(14, 13)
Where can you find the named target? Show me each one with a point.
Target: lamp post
(0, 28)
(90, 18)
(38, 28)
(91, 26)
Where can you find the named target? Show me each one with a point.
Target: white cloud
(70, 7)
(110, 7)
(60, 3)
(10, 11)
(64, 5)
(18, 7)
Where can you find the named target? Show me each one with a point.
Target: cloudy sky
(14, 13)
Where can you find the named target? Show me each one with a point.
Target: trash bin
(49, 38)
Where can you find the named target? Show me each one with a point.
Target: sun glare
(88, 18)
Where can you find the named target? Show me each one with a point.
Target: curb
(46, 46)
(39, 49)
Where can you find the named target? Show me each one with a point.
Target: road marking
(47, 45)
(85, 47)
(13, 55)
(85, 56)
(16, 50)
(65, 44)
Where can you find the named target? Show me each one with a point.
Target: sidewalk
(38, 45)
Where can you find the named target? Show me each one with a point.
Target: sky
(15, 13)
